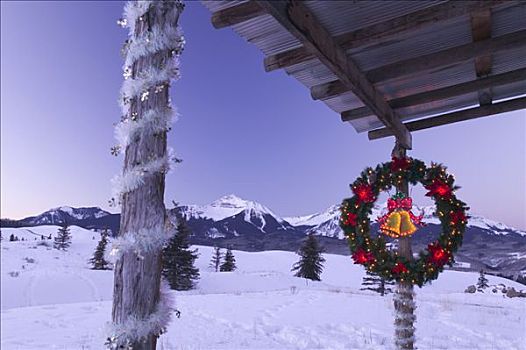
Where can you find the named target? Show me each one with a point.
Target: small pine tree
(215, 262)
(230, 262)
(12, 238)
(482, 282)
(521, 279)
(98, 262)
(63, 238)
(179, 259)
(311, 261)
(378, 284)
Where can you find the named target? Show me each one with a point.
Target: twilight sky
(258, 135)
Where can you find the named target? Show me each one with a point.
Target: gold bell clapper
(399, 221)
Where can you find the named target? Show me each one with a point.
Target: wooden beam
(300, 22)
(236, 14)
(448, 57)
(357, 113)
(327, 90)
(422, 63)
(443, 93)
(455, 117)
(481, 30)
(383, 31)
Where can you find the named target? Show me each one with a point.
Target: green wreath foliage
(372, 252)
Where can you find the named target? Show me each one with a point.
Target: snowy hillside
(50, 299)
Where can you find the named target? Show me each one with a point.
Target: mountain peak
(227, 206)
(230, 200)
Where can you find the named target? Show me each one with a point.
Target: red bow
(400, 203)
(404, 204)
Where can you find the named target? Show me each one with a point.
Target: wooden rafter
(236, 14)
(481, 30)
(428, 62)
(386, 30)
(454, 117)
(300, 22)
(443, 93)
(448, 57)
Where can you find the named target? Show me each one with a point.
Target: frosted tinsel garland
(144, 240)
(134, 177)
(153, 121)
(152, 77)
(158, 39)
(150, 81)
(166, 40)
(134, 328)
(132, 11)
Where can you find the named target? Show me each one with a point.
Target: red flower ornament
(399, 164)
(399, 268)
(364, 193)
(362, 257)
(437, 255)
(458, 217)
(439, 188)
(350, 219)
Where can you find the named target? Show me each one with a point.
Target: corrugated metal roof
(339, 17)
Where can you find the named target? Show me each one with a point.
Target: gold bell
(398, 224)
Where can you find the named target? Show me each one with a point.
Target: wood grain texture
(236, 14)
(455, 117)
(443, 93)
(300, 22)
(403, 302)
(381, 32)
(437, 60)
(481, 30)
(137, 277)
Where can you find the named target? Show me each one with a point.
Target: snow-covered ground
(51, 300)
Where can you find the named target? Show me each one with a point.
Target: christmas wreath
(372, 252)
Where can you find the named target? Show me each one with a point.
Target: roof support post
(403, 300)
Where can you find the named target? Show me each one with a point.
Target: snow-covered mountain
(57, 216)
(326, 223)
(231, 216)
(228, 206)
(251, 226)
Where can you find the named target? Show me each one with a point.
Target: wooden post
(403, 299)
(137, 274)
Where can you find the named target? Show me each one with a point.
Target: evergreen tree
(521, 279)
(215, 262)
(378, 284)
(311, 261)
(230, 262)
(12, 238)
(98, 262)
(179, 259)
(482, 282)
(63, 238)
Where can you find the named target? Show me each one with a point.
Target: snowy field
(51, 300)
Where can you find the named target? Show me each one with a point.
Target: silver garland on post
(153, 121)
